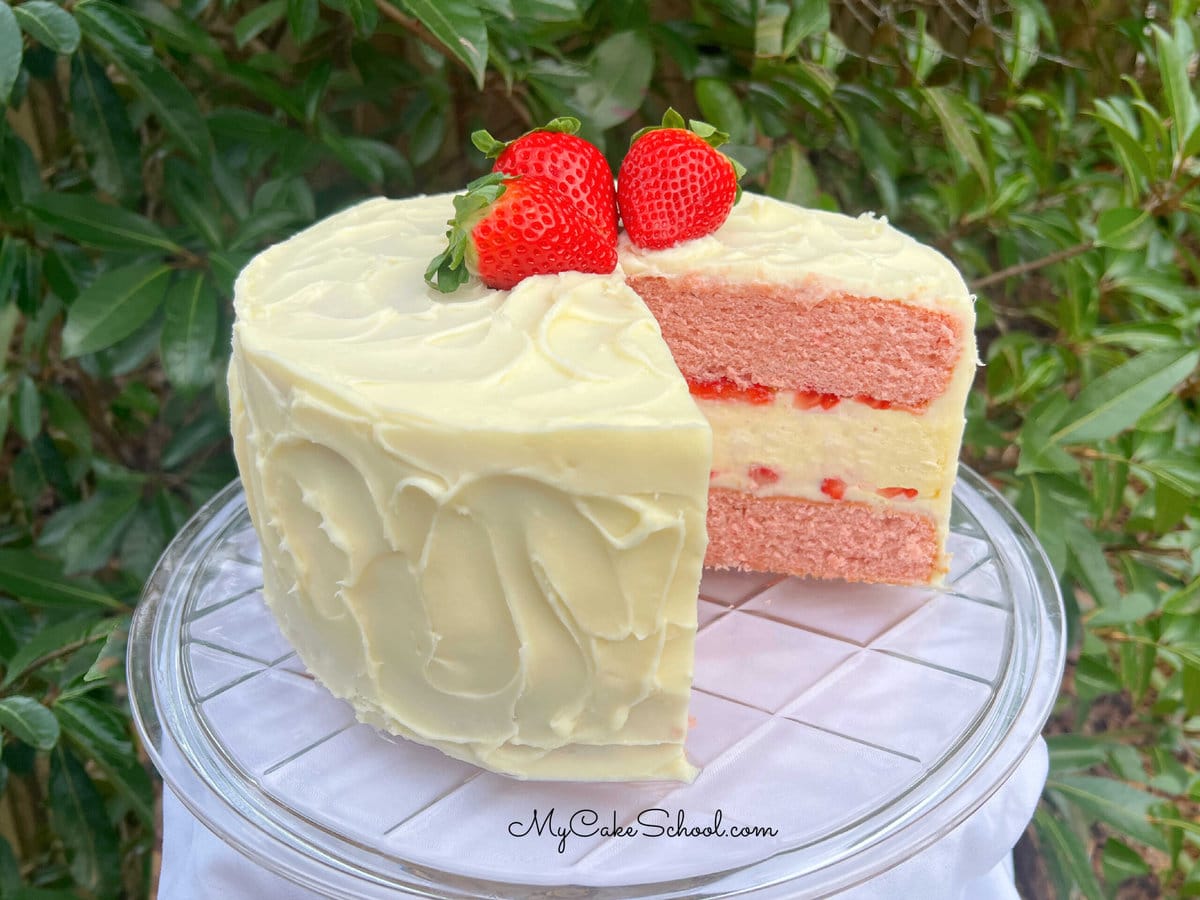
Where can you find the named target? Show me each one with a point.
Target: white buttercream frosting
(482, 516)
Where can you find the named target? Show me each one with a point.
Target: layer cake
(483, 514)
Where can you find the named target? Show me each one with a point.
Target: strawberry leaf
(486, 144)
(671, 119)
(492, 148)
(449, 270)
(711, 135)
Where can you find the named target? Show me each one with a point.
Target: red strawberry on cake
(509, 227)
(674, 185)
(554, 151)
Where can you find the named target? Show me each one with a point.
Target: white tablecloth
(973, 862)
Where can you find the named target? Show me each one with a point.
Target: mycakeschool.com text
(649, 823)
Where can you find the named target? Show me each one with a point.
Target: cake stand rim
(149, 723)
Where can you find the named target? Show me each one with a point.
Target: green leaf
(29, 721)
(792, 176)
(1189, 677)
(98, 727)
(48, 24)
(41, 582)
(11, 49)
(458, 25)
(1066, 857)
(1121, 862)
(768, 29)
(194, 437)
(1091, 564)
(1022, 51)
(113, 307)
(1128, 608)
(189, 332)
(99, 120)
(1173, 63)
(49, 639)
(171, 103)
(721, 106)
(176, 29)
(1123, 133)
(619, 75)
(80, 821)
(97, 224)
(947, 107)
(302, 18)
(1123, 228)
(1039, 452)
(255, 22)
(1073, 752)
(98, 730)
(113, 30)
(1046, 515)
(10, 869)
(193, 201)
(365, 16)
(1117, 399)
(1116, 803)
(1171, 505)
(28, 419)
(110, 661)
(808, 17)
(87, 534)
(1185, 601)
(9, 314)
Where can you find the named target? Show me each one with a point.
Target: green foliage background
(148, 149)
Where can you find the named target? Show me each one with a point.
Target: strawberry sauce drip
(893, 492)
(833, 488)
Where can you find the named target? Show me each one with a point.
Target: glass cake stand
(846, 726)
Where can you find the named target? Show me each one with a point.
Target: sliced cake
(482, 513)
(832, 357)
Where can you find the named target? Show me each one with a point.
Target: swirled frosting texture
(482, 516)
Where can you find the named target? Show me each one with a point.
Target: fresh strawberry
(554, 151)
(674, 185)
(508, 227)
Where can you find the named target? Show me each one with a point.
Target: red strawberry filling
(872, 402)
(833, 488)
(763, 474)
(727, 389)
(813, 399)
(760, 394)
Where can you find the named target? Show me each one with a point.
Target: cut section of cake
(832, 357)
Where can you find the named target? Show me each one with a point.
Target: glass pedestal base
(840, 729)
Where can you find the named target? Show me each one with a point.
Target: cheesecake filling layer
(870, 450)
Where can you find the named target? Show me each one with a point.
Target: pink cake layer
(841, 539)
(794, 338)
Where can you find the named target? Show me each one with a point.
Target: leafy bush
(149, 149)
